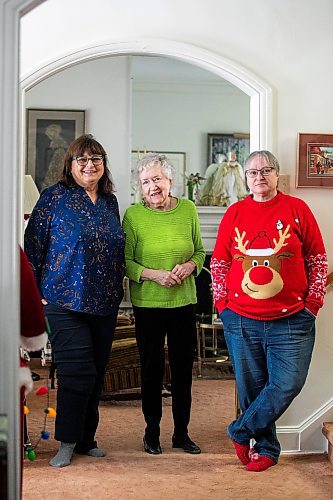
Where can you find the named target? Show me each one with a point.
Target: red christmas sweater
(33, 335)
(269, 259)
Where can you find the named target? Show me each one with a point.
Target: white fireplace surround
(210, 218)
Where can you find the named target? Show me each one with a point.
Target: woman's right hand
(161, 276)
(167, 278)
(44, 302)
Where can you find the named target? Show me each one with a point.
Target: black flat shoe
(35, 376)
(152, 446)
(186, 444)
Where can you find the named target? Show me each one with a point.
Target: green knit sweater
(160, 240)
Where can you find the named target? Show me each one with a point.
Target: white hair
(151, 160)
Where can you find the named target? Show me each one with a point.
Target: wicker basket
(123, 368)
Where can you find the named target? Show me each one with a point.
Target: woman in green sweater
(164, 253)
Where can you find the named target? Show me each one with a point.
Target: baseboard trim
(297, 452)
(307, 437)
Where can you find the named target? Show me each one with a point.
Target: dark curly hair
(78, 147)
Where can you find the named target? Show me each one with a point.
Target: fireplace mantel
(210, 218)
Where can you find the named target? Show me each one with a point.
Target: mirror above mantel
(155, 110)
(176, 105)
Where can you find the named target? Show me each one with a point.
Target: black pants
(152, 325)
(81, 345)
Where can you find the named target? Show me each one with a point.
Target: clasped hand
(174, 277)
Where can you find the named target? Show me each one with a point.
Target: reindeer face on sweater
(262, 263)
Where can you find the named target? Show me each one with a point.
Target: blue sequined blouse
(76, 249)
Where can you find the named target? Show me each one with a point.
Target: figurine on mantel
(225, 183)
(193, 187)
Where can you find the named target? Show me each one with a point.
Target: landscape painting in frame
(315, 160)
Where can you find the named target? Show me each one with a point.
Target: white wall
(286, 43)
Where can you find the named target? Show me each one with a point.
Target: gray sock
(96, 452)
(64, 455)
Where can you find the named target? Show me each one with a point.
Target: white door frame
(10, 13)
(12, 173)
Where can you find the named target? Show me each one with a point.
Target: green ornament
(31, 455)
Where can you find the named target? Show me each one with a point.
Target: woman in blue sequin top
(75, 244)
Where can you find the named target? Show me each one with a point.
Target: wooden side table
(202, 346)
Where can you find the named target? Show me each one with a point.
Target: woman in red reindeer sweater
(269, 270)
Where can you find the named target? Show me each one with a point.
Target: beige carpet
(129, 473)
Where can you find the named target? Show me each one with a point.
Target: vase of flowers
(193, 187)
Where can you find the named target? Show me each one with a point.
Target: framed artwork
(219, 145)
(284, 183)
(177, 159)
(49, 133)
(315, 160)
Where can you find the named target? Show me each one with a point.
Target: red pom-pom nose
(42, 390)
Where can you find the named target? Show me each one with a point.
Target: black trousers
(152, 325)
(81, 345)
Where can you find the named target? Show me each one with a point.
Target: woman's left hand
(183, 271)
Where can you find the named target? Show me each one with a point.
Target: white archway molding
(259, 91)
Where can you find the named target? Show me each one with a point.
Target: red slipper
(242, 452)
(259, 463)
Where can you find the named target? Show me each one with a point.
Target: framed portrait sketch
(219, 145)
(315, 160)
(177, 159)
(49, 133)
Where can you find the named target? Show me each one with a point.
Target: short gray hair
(151, 160)
(269, 157)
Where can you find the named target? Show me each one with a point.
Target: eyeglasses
(83, 160)
(253, 172)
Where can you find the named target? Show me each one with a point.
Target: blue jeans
(271, 361)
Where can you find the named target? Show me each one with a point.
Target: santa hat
(260, 246)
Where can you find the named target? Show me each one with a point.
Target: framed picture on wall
(315, 160)
(219, 145)
(178, 160)
(49, 133)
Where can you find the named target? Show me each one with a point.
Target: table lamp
(30, 196)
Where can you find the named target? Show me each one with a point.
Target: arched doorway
(11, 153)
(260, 93)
